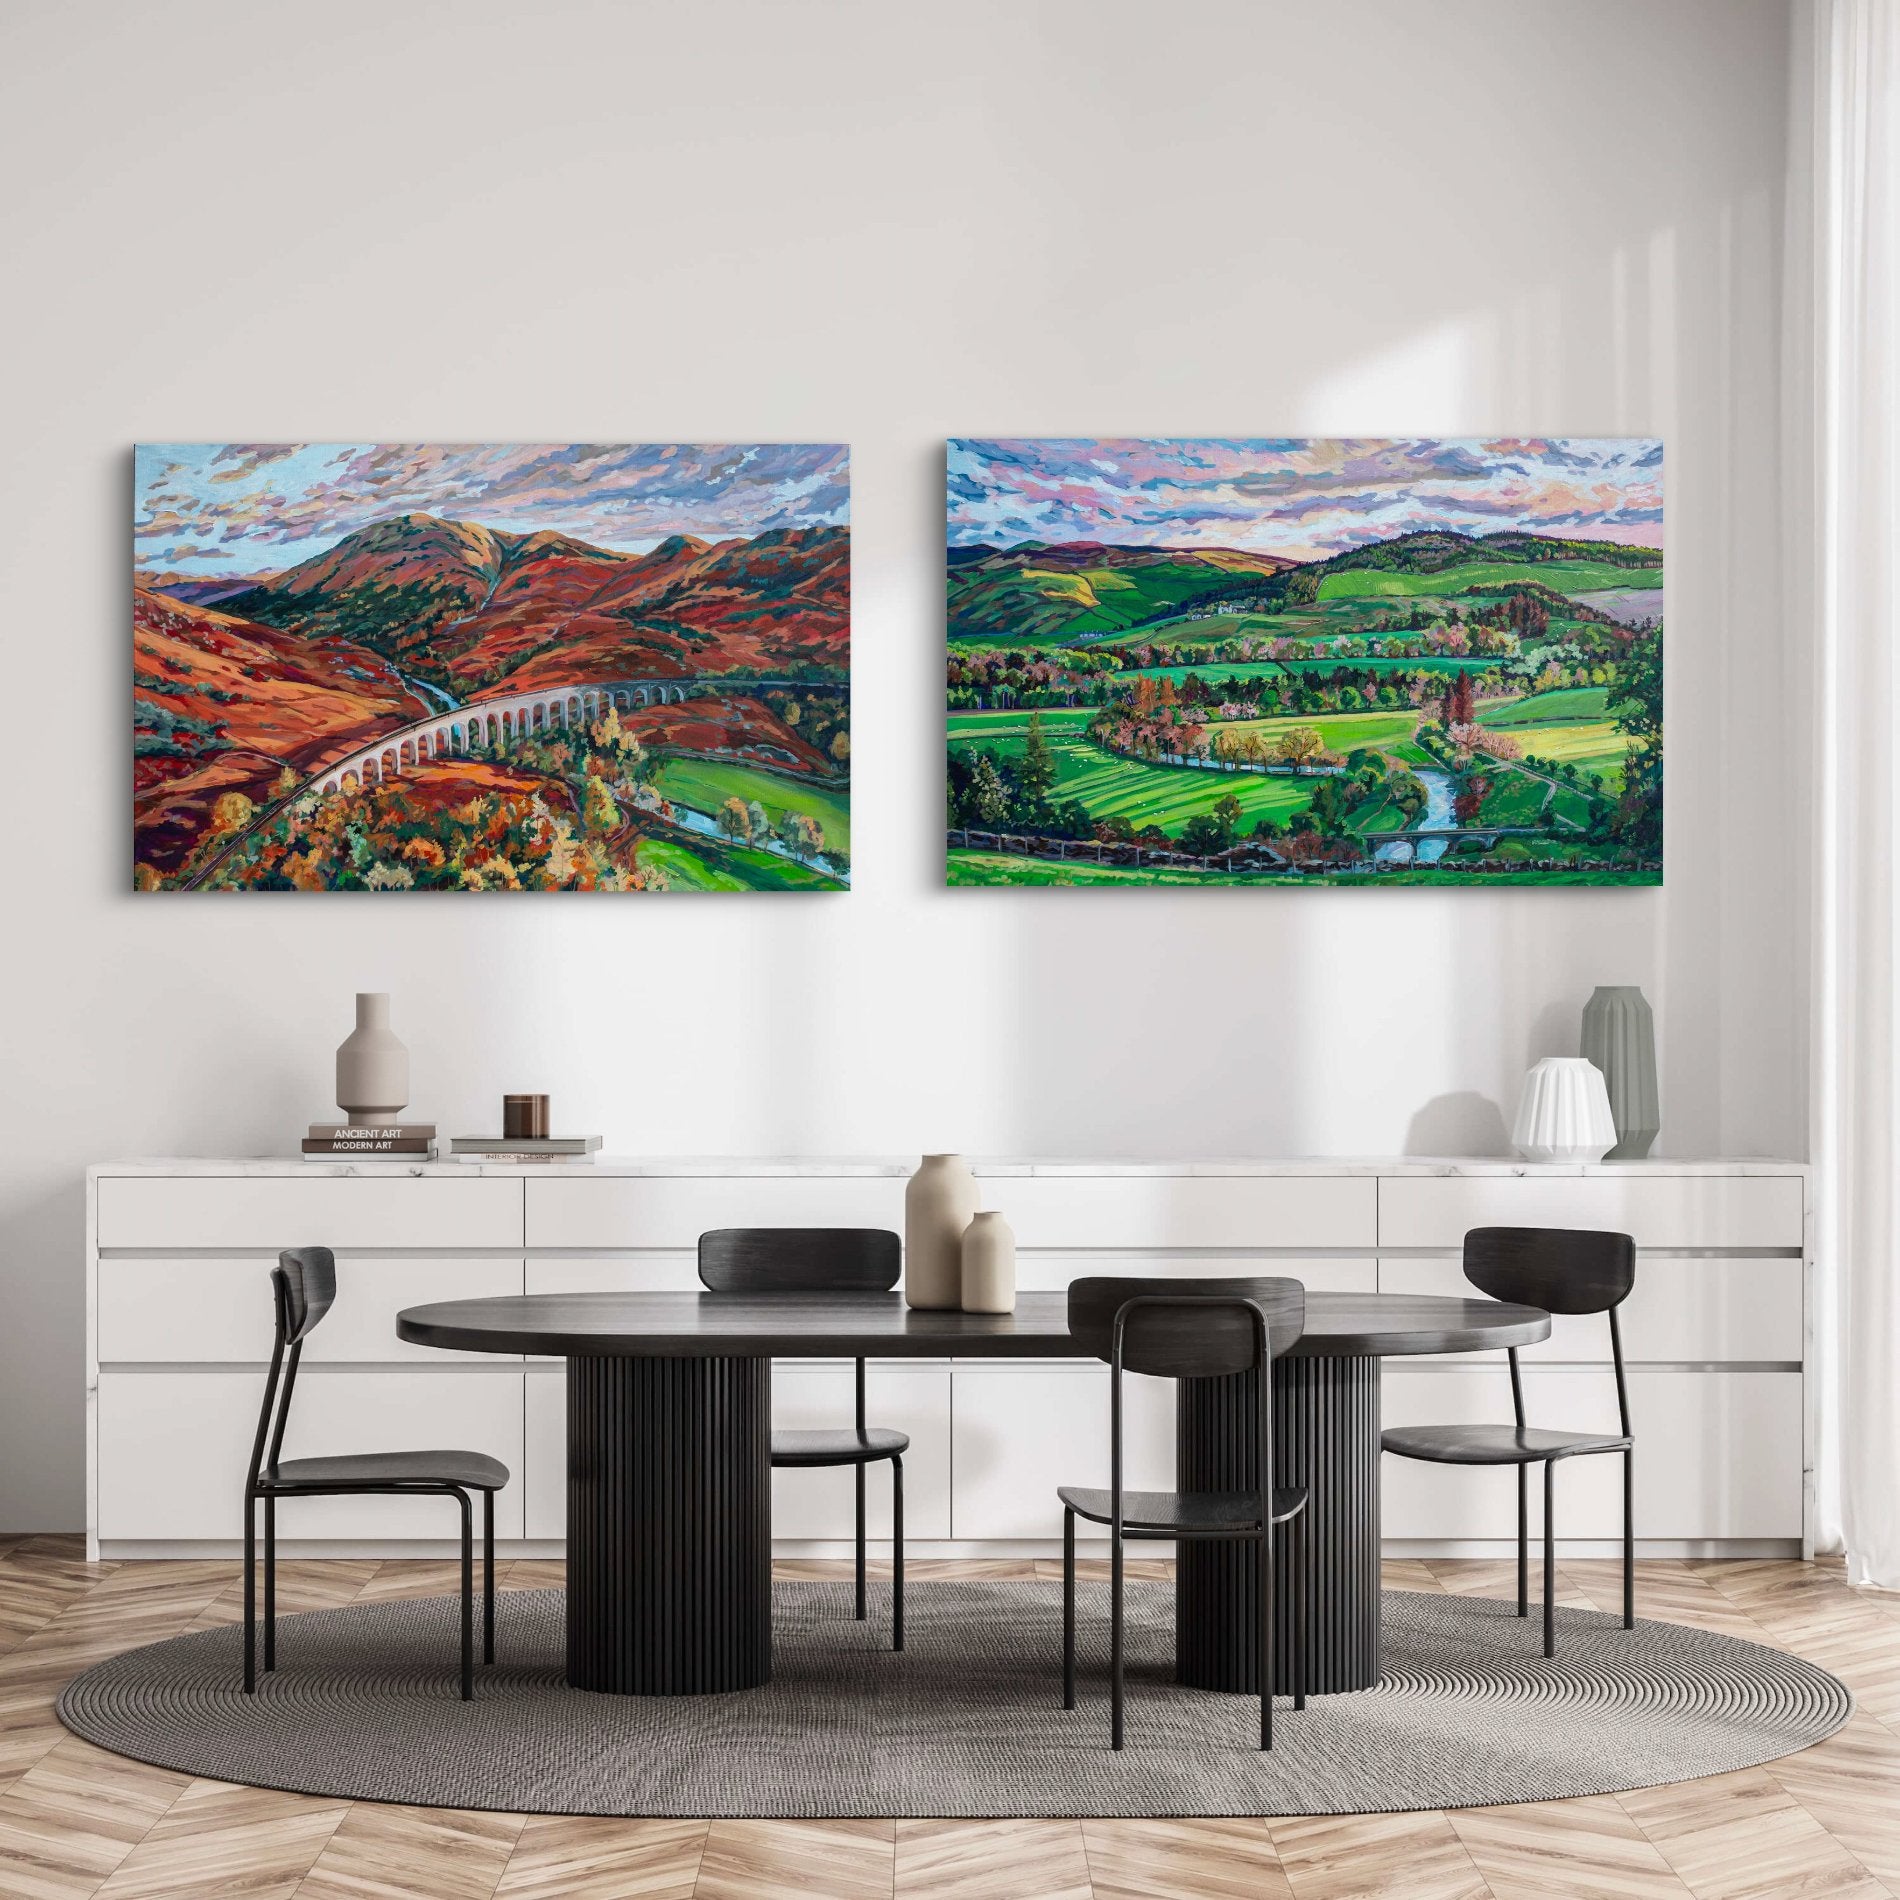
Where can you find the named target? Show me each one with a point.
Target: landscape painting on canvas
(1305, 661)
(402, 667)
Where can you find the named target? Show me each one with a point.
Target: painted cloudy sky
(1302, 498)
(235, 508)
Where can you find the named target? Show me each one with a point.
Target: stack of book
(509, 1149)
(385, 1141)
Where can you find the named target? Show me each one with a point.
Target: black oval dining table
(669, 1493)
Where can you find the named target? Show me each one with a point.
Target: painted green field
(1564, 708)
(1215, 671)
(703, 866)
(1340, 732)
(1110, 786)
(996, 868)
(1563, 577)
(706, 784)
(1571, 727)
(1515, 798)
(1014, 723)
(1598, 747)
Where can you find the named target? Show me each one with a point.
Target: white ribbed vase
(1564, 1112)
(939, 1202)
(989, 1264)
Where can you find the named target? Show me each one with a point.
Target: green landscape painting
(390, 666)
(1305, 661)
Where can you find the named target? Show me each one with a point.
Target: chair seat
(846, 1447)
(473, 1469)
(1183, 1513)
(1494, 1444)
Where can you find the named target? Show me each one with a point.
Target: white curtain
(1849, 516)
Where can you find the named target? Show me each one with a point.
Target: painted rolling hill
(1087, 591)
(1039, 591)
(469, 607)
(221, 704)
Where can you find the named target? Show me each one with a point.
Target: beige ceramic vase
(938, 1204)
(372, 1067)
(989, 1265)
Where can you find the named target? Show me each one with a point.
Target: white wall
(882, 224)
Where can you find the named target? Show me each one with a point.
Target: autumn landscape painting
(1291, 662)
(403, 667)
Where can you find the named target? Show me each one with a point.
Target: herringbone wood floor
(77, 1822)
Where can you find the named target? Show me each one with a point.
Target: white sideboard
(179, 1328)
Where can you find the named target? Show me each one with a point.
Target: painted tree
(1298, 744)
(231, 811)
(1036, 771)
(735, 821)
(598, 811)
(988, 795)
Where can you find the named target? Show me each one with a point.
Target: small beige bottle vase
(938, 1203)
(989, 1264)
(372, 1067)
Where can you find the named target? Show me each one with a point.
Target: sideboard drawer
(573, 1210)
(1682, 1311)
(1017, 1432)
(1038, 1272)
(217, 1311)
(1180, 1211)
(323, 1211)
(174, 1448)
(656, 1272)
(1718, 1454)
(1684, 1210)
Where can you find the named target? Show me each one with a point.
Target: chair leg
(488, 1577)
(468, 1597)
(270, 1585)
(1068, 1608)
(1523, 1540)
(1550, 1557)
(1115, 1642)
(1629, 1539)
(1296, 1571)
(250, 1595)
(1266, 1636)
(860, 1478)
(897, 1552)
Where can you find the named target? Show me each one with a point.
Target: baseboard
(506, 1549)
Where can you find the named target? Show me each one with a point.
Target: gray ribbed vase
(1619, 1036)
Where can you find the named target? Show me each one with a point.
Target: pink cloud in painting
(270, 505)
(1299, 497)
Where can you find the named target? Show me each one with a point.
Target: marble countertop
(821, 1167)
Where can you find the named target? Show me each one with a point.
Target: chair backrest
(305, 1279)
(303, 1289)
(1561, 1269)
(1187, 1329)
(800, 1260)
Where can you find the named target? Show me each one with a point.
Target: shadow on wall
(1464, 1123)
(1315, 1026)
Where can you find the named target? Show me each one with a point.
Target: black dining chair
(303, 1285)
(1184, 1329)
(1563, 1270)
(788, 1261)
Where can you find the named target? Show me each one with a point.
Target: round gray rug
(968, 1721)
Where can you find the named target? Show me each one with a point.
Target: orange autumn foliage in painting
(354, 713)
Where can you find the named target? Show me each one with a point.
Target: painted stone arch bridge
(488, 725)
